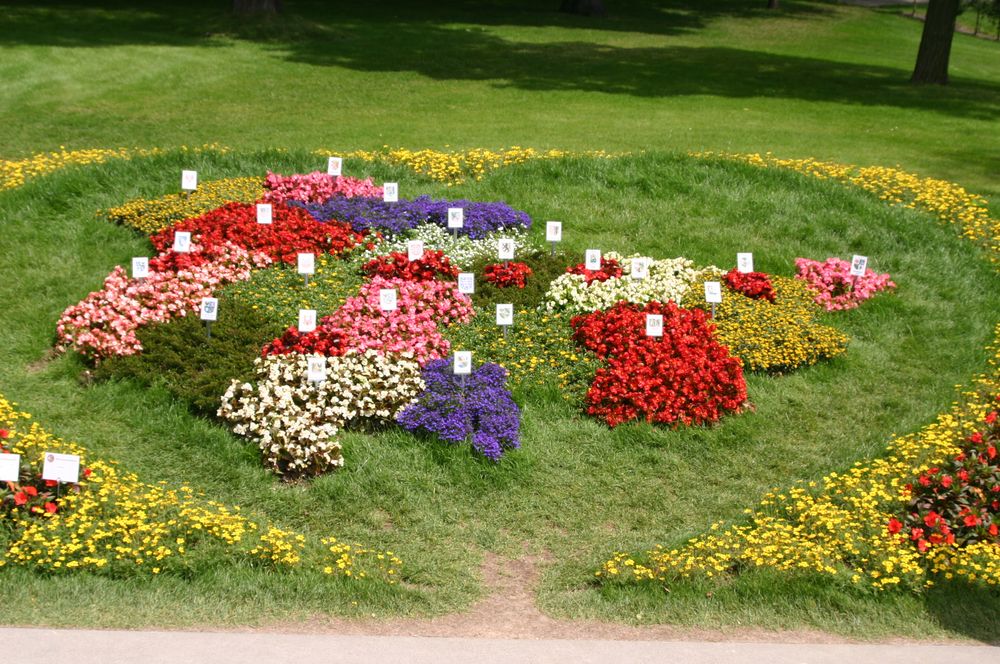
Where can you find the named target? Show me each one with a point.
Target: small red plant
(959, 501)
(755, 285)
(610, 268)
(507, 276)
(397, 265)
(684, 377)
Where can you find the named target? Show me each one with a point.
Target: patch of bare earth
(509, 612)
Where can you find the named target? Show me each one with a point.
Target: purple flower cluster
(393, 218)
(481, 409)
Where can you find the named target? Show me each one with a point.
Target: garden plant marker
(467, 283)
(182, 242)
(654, 325)
(316, 369)
(505, 317)
(10, 467)
(265, 213)
(334, 166)
(189, 181)
(456, 219)
(140, 267)
(505, 249)
(593, 259)
(713, 294)
(209, 313)
(387, 299)
(390, 192)
(640, 268)
(744, 262)
(414, 250)
(553, 234)
(307, 320)
(306, 264)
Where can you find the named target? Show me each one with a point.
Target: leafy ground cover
(575, 490)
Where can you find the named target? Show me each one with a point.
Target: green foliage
(544, 269)
(193, 366)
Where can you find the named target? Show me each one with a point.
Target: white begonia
(462, 250)
(295, 422)
(667, 279)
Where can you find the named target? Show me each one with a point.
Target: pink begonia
(316, 187)
(104, 323)
(834, 286)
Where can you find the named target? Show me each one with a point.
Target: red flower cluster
(325, 340)
(397, 265)
(292, 231)
(959, 502)
(505, 276)
(33, 496)
(685, 376)
(755, 285)
(609, 268)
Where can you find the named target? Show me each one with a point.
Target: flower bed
(834, 286)
(316, 187)
(153, 215)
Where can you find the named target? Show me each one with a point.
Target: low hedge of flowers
(462, 250)
(316, 187)
(833, 285)
(111, 524)
(153, 215)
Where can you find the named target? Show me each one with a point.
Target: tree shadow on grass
(973, 611)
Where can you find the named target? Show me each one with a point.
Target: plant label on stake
(307, 320)
(140, 267)
(390, 192)
(654, 325)
(387, 299)
(505, 249)
(189, 181)
(640, 268)
(316, 368)
(61, 468)
(744, 262)
(505, 317)
(593, 259)
(713, 294)
(265, 213)
(467, 282)
(10, 467)
(209, 313)
(859, 264)
(456, 219)
(462, 364)
(306, 264)
(553, 234)
(182, 242)
(415, 250)
(334, 166)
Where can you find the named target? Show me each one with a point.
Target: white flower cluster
(295, 421)
(462, 250)
(667, 279)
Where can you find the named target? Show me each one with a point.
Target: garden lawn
(815, 79)
(576, 491)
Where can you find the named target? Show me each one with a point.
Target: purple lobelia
(393, 218)
(482, 409)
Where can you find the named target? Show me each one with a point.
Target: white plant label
(713, 292)
(61, 467)
(415, 250)
(209, 308)
(306, 263)
(593, 260)
(10, 467)
(654, 325)
(456, 217)
(189, 180)
(744, 262)
(467, 282)
(858, 266)
(265, 213)
(505, 314)
(640, 268)
(553, 231)
(334, 165)
(140, 267)
(505, 249)
(307, 320)
(387, 299)
(390, 192)
(316, 369)
(463, 362)
(182, 242)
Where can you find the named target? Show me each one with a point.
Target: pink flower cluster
(834, 286)
(316, 187)
(422, 307)
(104, 324)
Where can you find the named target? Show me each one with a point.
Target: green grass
(813, 79)
(577, 491)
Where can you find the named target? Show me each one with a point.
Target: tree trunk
(256, 6)
(772, 4)
(935, 42)
(583, 7)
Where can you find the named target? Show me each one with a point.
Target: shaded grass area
(813, 79)
(576, 491)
